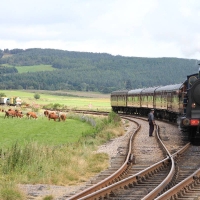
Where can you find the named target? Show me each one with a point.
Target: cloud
(130, 28)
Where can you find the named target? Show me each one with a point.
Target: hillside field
(34, 68)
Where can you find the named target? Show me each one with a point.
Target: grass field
(71, 99)
(59, 153)
(34, 68)
(42, 131)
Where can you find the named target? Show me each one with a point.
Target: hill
(51, 69)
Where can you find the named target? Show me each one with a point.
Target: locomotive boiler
(176, 103)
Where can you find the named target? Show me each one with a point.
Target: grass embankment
(62, 153)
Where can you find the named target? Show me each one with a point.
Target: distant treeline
(90, 71)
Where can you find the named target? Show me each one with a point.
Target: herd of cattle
(49, 114)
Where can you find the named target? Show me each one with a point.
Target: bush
(2, 95)
(56, 106)
(114, 118)
(36, 96)
(50, 197)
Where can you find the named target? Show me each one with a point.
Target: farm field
(41, 131)
(35, 150)
(71, 99)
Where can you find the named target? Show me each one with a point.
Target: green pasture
(34, 68)
(49, 152)
(41, 131)
(77, 102)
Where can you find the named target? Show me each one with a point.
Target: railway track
(142, 171)
(186, 183)
(118, 170)
(146, 167)
(150, 169)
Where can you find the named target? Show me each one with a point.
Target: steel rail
(127, 181)
(115, 176)
(169, 177)
(130, 180)
(154, 193)
(105, 192)
(182, 186)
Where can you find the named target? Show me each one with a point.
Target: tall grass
(9, 191)
(66, 164)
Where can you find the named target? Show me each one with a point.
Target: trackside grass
(61, 153)
(9, 191)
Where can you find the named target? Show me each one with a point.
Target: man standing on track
(151, 122)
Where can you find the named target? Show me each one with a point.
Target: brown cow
(31, 115)
(62, 117)
(46, 113)
(19, 114)
(11, 113)
(53, 116)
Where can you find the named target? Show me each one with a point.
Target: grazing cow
(46, 113)
(62, 117)
(11, 113)
(53, 116)
(19, 114)
(31, 115)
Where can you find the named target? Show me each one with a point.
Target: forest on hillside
(84, 71)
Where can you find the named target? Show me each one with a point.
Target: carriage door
(169, 101)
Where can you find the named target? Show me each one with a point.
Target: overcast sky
(136, 28)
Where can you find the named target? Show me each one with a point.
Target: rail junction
(165, 166)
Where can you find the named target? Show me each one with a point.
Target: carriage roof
(149, 90)
(169, 88)
(136, 91)
(119, 92)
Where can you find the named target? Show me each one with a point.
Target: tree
(36, 96)
(128, 84)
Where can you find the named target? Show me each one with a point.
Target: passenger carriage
(134, 101)
(168, 102)
(119, 101)
(147, 100)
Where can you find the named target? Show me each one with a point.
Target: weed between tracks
(65, 164)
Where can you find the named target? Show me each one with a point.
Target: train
(179, 103)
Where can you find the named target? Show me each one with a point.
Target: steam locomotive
(176, 103)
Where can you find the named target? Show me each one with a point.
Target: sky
(135, 28)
